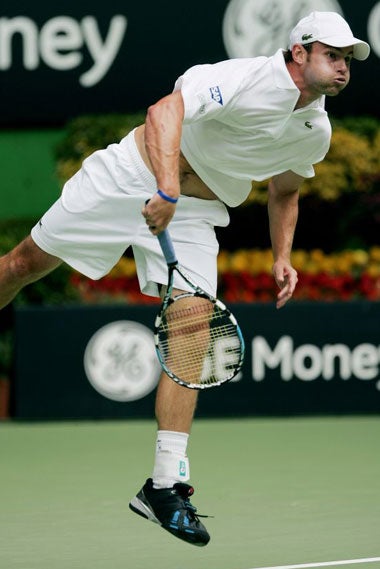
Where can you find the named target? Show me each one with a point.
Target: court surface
(283, 492)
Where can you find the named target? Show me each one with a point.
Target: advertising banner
(100, 362)
(60, 61)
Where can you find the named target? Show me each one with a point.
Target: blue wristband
(166, 197)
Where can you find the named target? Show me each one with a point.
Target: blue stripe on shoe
(174, 521)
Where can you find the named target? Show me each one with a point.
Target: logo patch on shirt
(308, 124)
(216, 94)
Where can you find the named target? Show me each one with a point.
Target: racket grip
(167, 247)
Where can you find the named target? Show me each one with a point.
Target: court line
(323, 564)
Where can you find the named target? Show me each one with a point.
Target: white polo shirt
(240, 125)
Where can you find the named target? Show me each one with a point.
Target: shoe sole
(139, 507)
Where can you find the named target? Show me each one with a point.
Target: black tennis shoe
(171, 509)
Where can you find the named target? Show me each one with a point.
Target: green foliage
(88, 133)
(352, 165)
(13, 231)
(366, 126)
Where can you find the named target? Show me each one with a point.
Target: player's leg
(165, 498)
(175, 406)
(26, 263)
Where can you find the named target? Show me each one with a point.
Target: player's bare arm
(283, 192)
(162, 136)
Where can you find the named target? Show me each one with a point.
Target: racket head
(198, 341)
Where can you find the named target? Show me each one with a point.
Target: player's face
(327, 69)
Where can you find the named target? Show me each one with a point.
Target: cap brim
(361, 48)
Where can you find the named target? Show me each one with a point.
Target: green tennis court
(282, 492)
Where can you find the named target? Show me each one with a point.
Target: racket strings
(189, 338)
(190, 318)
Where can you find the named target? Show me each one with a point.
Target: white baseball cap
(328, 28)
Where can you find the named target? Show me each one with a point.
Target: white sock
(171, 464)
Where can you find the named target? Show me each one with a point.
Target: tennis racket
(198, 341)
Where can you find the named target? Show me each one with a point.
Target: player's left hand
(286, 279)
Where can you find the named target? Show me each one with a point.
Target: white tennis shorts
(98, 216)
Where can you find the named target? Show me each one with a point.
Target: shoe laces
(185, 491)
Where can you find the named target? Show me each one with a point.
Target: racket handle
(167, 247)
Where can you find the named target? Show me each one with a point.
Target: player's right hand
(158, 213)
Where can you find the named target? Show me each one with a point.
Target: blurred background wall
(60, 61)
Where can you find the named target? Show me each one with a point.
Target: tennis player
(223, 126)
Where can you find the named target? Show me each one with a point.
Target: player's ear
(299, 54)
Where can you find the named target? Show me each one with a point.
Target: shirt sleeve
(304, 170)
(207, 90)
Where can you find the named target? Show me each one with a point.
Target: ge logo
(261, 27)
(120, 361)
